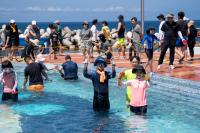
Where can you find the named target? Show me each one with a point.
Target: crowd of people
(175, 35)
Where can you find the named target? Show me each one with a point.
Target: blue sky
(79, 10)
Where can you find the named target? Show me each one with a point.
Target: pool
(65, 107)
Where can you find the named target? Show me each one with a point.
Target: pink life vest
(8, 81)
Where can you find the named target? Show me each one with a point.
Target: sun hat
(34, 22)
(161, 16)
(100, 60)
(170, 15)
(12, 21)
(138, 68)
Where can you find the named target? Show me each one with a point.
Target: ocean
(78, 25)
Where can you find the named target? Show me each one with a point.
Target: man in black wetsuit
(100, 79)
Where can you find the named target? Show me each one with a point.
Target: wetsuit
(101, 92)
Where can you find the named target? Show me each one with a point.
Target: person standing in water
(70, 69)
(128, 75)
(33, 72)
(138, 102)
(100, 79)
(8, 78)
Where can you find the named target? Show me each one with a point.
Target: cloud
(52, 9)
(109, 9)
(69, 9)
(2, 9)
(34, 8)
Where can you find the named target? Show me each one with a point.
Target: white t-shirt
(94, 32)
(161, 33)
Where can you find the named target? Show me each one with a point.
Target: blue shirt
(149, 39)
(70, 70)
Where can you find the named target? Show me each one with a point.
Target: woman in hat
(192, 34)
(86, 41)
(138, 102)
(100, 80)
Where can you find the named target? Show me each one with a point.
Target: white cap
(12, 21)
(57, 22)
(34, 22)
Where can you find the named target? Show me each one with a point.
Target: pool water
(66, 106)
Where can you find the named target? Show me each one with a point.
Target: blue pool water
(65, 107)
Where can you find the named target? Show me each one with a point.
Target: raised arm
(113, 74)
(85, 72)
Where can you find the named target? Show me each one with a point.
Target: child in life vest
(8, 78)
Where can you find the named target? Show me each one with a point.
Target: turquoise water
(173, 107)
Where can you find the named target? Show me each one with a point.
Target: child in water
(8, 78)
(138, 101)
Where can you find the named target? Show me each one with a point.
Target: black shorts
(55, 47)
(149, 53)
(139, 110)
(14, 42)
(7, 96)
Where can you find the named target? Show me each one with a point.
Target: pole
(142, 16)
(142, 24)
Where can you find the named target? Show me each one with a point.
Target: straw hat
(35, 41)
(190, 23)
